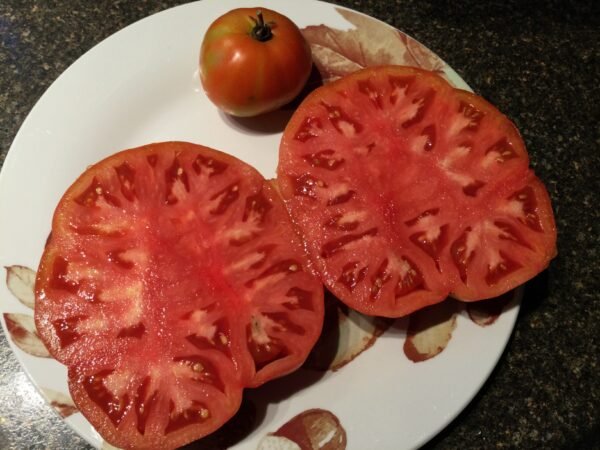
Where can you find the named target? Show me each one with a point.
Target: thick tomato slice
(172, 280)
(407, 190)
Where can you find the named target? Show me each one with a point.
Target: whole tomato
(253, 60)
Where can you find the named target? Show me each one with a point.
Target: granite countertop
(538, 62)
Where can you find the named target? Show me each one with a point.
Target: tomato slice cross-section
(172, 280)
(407, 190)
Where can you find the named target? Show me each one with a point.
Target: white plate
(141, 85)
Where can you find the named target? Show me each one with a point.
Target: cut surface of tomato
(172, 280)
(407, 190)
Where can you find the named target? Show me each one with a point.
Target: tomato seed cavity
(332, 247)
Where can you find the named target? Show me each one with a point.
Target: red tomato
(253, 60)
(172, 280)
(407, 190)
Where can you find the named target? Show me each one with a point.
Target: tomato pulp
(172, 280)
(253, 60)
(408, 190)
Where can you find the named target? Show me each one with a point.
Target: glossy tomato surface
(172, 280)
(407, 190)
(246, 72)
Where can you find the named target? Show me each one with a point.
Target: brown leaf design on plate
(486, 312)
(313, 429)
(430, 330)
(346, 334)
(421, 55)
(20, 280)
(272, 442)
(340, 52)
(21, 328)
(62, 403)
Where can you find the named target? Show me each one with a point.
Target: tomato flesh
(407, 190)
(172, 280)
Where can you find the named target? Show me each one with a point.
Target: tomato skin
(244, 76)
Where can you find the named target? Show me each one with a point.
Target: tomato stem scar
(261, 31)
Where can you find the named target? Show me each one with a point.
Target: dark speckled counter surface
(538, 62)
